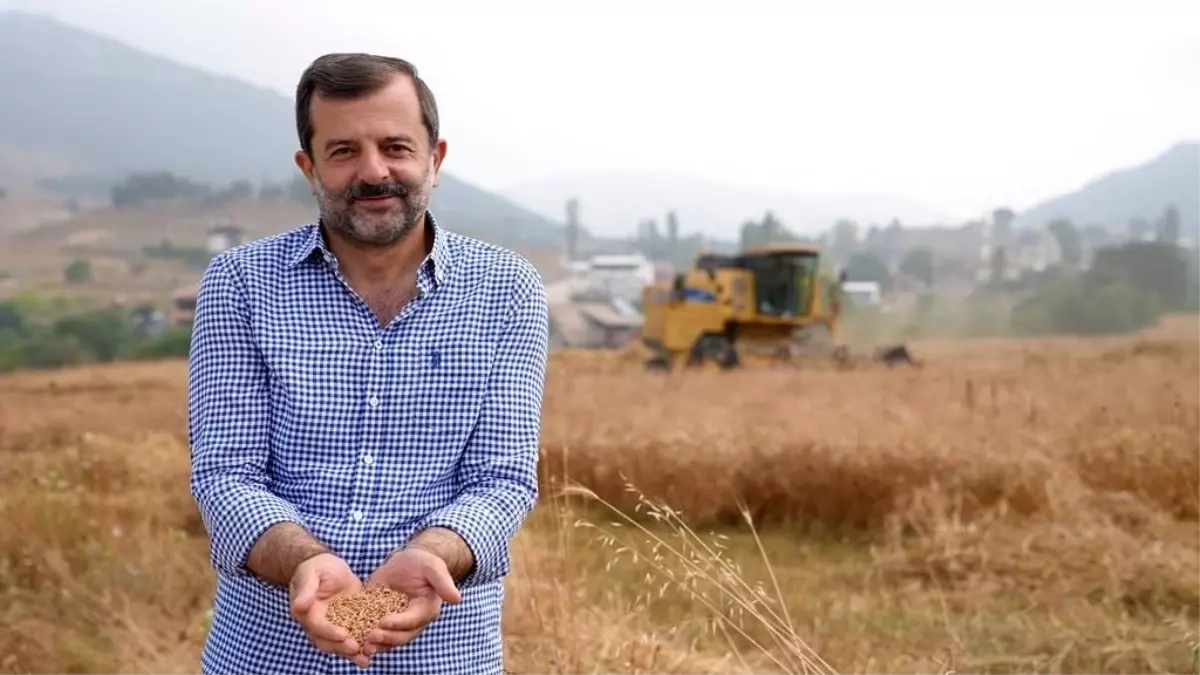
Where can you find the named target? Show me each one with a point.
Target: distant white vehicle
(863, 293)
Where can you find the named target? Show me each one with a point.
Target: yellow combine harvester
(763, 300)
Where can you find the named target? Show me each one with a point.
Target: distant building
(183, 305)
(617, 276)
(1033, 250)
(223, 236)
(593, 324)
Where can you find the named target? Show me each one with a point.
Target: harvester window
(783, 283)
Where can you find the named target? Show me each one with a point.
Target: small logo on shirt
(435, 358)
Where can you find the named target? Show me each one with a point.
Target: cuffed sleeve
(228, 423)
(499, 469)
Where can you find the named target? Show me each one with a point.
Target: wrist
(281, 550)
(446, 545)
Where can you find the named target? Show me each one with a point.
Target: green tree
(1072, 306)
(769, 231)
(1168, 226)
(999, 266)
(1150, 268)
(866, 266)
(78, 272)
(1069, 239)
(844, 239)
(918, 263)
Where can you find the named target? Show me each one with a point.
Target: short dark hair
(348, 76)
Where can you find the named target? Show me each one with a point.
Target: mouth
(386, 199)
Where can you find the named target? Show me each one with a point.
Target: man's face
(372, 168)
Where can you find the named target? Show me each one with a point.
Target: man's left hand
(425, 579)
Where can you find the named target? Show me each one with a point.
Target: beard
(374, 227)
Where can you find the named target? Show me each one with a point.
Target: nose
(372, 168)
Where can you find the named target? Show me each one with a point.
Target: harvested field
(1011, 507)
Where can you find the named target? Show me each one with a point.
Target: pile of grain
(360, 612)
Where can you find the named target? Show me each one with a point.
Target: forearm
(498, 472)
(238, 512)
(472, 533)
(448, 546)
(229, 424)
(280, 550)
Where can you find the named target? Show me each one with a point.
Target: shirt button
(378, 345)
(357, 515)
(373, 402)
(368, 460)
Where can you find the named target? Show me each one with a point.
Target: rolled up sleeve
(228, 423)
(499, 469)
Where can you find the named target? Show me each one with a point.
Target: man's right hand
(316, 582)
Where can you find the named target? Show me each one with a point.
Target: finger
(317, 625)
(381, 639)
(362, 661)
(305, 593)
(321, 627)
(347, 647)
(407, 620)
(443, 583)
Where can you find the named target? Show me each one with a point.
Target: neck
(387, 264)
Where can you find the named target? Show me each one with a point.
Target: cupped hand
(316, 582)
(424, 578)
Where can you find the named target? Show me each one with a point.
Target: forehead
(392, 110)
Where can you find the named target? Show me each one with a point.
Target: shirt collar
(438, 260)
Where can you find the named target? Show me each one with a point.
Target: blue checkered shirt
(303, 408)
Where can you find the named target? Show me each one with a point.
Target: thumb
(440, 579)
(306, 592)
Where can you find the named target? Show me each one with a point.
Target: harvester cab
(764, 300)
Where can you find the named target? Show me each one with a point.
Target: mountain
(1139, 192)
(614, 203)
(80, 105)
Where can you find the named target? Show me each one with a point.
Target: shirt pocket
(445, 391)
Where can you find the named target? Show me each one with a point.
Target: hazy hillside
(613, 204)
(1142, 191)
(80, 104)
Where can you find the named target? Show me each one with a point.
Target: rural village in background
(1025, 501)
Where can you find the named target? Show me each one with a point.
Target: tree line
(36, 337)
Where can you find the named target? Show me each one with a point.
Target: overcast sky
(960, 113)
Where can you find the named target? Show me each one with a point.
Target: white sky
(960, 113)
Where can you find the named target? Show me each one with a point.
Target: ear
(439, 155)
(306, 167)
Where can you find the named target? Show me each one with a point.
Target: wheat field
(1009, 507)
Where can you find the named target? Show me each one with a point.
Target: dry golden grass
(1011, 507)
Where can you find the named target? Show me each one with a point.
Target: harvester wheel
(714, 348)
(841, 356)
(658, 364)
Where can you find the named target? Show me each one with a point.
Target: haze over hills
(81, 105)
(1139, 192)
(613, 204)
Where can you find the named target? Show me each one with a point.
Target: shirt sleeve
(499, 469)
(228, 423)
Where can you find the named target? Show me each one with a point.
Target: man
(364, 402)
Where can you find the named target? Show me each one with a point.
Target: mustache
(369, 191)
